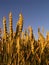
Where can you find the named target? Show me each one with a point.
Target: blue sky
(35, 13)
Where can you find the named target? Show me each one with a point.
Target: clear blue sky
(35, 13)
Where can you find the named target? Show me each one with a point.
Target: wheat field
(21, 47)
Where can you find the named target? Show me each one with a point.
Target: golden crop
(21, 47)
